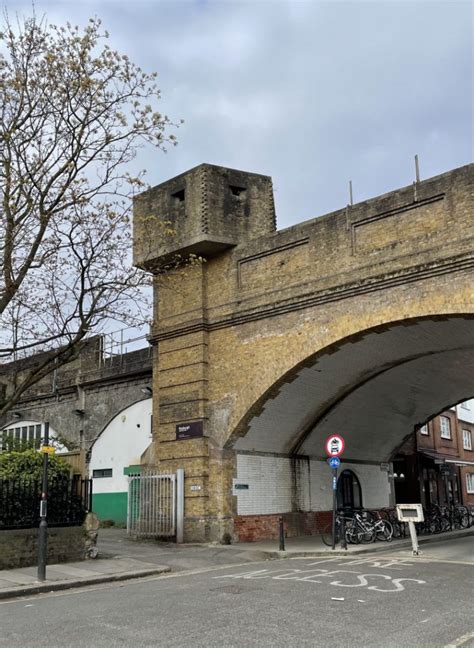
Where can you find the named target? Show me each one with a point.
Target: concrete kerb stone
(266, 554)
(55, 586)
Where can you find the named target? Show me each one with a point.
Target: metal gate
(152, 505)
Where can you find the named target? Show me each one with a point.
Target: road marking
(396, 564)
(356, 578)
(428, 559)
(461, 641)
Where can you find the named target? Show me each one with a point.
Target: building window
(470, 482)
(102, 472)
(466, 440)
(424, 430)
(21, 433)
(445, 424)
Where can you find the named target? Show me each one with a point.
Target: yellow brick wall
(228, 331)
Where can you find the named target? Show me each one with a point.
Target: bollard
(281, 533)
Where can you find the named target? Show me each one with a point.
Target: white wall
(121, 444)
(270, 484)
(374, 484)
(465, 411)
(269, 480)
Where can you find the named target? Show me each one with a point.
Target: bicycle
(399, 528)
(361, 530)
(341, 521)
(383, 528)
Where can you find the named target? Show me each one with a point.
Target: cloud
(312, 93)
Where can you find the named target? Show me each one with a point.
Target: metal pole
(417, 169)
(43, 526)
(351, 199)
(334, 507)
(446, 489)
(179, 505)
(281, 531)
(343, 533)
(414, 539)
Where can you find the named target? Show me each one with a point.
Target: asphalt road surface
(380, 600)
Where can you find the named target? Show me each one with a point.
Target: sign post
(334, 507)
(334, 448)
(43, 525)
(411, 513)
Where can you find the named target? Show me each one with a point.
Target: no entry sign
(335, 445)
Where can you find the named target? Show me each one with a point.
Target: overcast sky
(312, 93)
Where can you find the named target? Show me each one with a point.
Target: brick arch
(424, 349)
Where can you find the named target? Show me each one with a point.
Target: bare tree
(73, 113)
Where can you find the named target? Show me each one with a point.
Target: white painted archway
(115, 451)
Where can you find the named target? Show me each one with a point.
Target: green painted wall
(132, 470)
(110, 506)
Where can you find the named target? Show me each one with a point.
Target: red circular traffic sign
(335, 445)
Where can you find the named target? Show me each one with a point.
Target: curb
(369, 548)
(56, 586)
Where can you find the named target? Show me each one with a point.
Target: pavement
(121, 558)
(23, 581)
(369, 601)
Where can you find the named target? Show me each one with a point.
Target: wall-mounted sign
(445, 469)
(384, 466)
(239, 486)
(195, 487)
(191, 430)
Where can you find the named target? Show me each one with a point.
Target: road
(380, 600)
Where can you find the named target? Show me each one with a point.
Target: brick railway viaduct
(358, 322)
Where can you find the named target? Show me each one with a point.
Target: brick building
(436, 465)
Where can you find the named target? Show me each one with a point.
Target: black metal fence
(69, 499)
